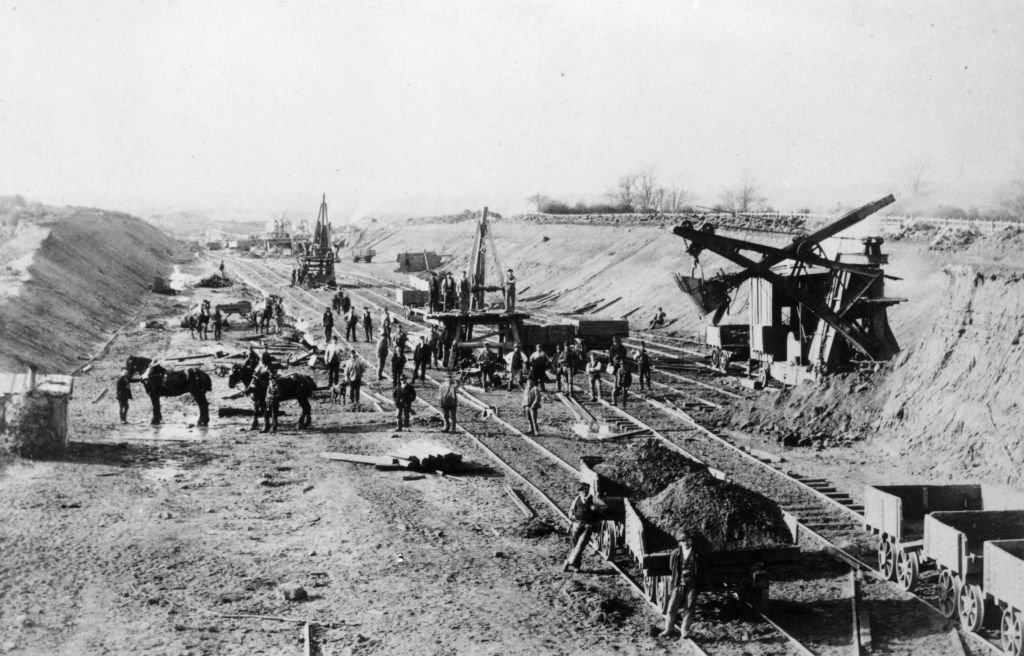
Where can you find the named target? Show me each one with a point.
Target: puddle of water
(163, 432)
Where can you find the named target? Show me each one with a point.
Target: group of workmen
(445, 294)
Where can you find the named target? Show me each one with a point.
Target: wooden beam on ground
(307, 639)
(99, 396)
(520, 502)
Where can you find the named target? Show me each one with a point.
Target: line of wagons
(976, 548)
(623, 530)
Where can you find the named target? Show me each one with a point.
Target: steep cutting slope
(954, 397)
(87, 276)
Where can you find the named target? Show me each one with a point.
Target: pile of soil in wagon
(644, 469)
(721, 516)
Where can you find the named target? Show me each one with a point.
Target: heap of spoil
(721, 516)
(644, 469)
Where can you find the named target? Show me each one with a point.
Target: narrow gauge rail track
(825, 514)
(515, 453)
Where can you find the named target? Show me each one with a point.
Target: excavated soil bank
(87, 276)
(721, 516)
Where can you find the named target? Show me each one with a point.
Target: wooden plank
(100, 396)
(356, 458)
(520, 502)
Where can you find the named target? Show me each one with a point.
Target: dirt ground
(145, 540)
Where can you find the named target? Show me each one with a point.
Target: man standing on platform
(465, 291)
(434, 291)
(510, 292)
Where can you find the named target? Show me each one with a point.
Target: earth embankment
(953, 398)
(86, 276)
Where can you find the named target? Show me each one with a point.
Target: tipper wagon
(896, 513)
(1003, 581)
(954, 542)
(747, 572)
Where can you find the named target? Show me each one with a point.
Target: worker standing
(448, 399)
(382, 355)
(584, 523)
(434, 292)
(404, 396)
(354, 375)
(643, 361)
(434, 342)
(448, 292)
(593, 372)
(346, 302)
(539, 364)
(510, 292)
(397, 366)
(617, 350)
(565, 366)
(273, 404)
(420, 359)
(328, 325)
(516, 362)
(683, 564)
(531, 404)
(367, 324)
(465, 291)
(486, 363)
(123, 390)
(332, 358)
(385, 324)
(218, 322)
(623, 379)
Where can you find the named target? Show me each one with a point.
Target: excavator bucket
(709, 295)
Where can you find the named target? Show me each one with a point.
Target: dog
(339, 392)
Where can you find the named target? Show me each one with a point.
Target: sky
(438, 106)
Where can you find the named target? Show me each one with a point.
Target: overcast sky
(186, 104)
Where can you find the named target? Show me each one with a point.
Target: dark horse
(159, 382)
(257, 379)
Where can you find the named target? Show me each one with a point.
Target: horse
(257, 379)
(266, 316)
(199, 321)
(159, 382)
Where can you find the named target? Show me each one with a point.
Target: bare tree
(539, 201)
(913, 178)
(1013, 200)
(674, 198)
(625, 191)
(646, 190)
(744, 197)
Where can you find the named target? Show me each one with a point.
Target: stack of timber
(427, 457)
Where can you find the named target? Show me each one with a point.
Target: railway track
(826, 514)
(552, 478)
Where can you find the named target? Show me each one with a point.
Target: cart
(895, 513)
(1003, 581)
(954, 542)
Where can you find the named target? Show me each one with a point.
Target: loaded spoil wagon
(626, 533)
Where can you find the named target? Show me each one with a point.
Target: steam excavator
(808, 314)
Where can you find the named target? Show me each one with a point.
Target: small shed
(34, 413)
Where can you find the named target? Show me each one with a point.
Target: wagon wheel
(607, 543)
(971, 606)
(1011, 633)
(949, 590)
(907, 569)
(886, 558)
(762, 377)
